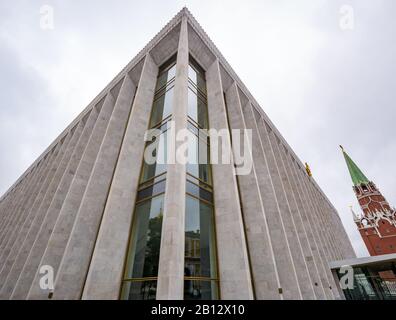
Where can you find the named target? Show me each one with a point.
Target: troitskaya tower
(377, 224)
(106, 223)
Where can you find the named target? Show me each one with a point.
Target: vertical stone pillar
(14, 242)
(89, 148)
(317, 219)
(75, 262)
(310, 249)
(319, 216)
(269, 191)
(262, 261)
(105, 275)
(325, 215)
(309, 215)
(289, 216)
(233, 262)
(23, 195)
(44, 227)
(34, 190)
(18, 214)
(34, 229)
(18, 249)
(171, 262)
(33, 265)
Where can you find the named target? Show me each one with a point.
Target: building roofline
(157, 38)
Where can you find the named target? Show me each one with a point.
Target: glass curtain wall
(200, 267)
(141, 268)
(372, 282)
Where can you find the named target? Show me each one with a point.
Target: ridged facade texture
(73, 208)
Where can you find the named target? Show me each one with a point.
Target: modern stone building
(113, 226)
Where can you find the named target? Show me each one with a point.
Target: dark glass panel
(139, 290)
(200, 290)
(200, 183)
(159, 153)
(144, 248)
(198, 158)
(152, 190)
(200, 249)
(162, 107)
(197, 77)
(197, 109)
(165, 77)
(201, 193)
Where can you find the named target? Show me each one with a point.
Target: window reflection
(197, 104)
(198, 156)
(199, 239)
(200, 251)
(162, 107)
(197, 76)
(145, 241)
(139, 290)
(163, 97)
(200, 270)
(141, 268)
(200, 290)
(158, 148)
(144, 249)
(165, 76)
(197, 109)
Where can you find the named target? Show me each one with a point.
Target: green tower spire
(356, 174)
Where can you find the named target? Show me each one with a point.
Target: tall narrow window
(143, 255)
(141, 267)
(200, 269)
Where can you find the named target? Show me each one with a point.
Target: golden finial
(308, 169)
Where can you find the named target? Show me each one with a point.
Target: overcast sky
(321, 82)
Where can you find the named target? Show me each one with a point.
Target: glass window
(162, 107)
(139, 290)
(159, 154)
(199, 192)
(197, 76)
(200, 251)
(144, 247)
(145, 242)
(199, 234)
(165, 77)
(197, 105)
(197, 109)
(163, 97)
(198, 157)
(141, 268)
(152, 190)
(201, 290)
